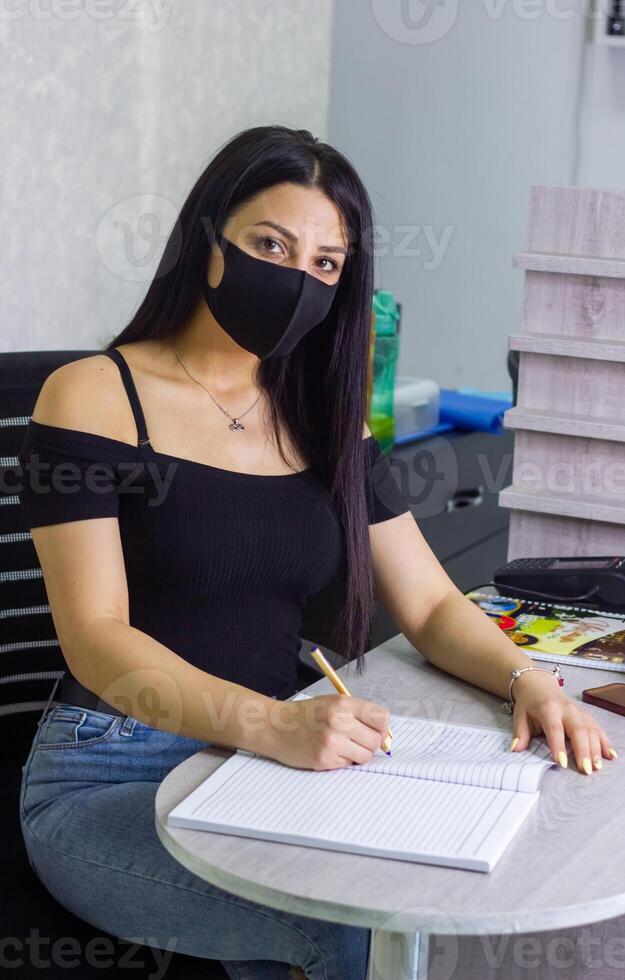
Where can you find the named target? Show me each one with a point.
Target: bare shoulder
(87, 395)
(366, 431)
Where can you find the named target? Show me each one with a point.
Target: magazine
(557, 633)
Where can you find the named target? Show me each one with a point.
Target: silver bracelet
(508, 706)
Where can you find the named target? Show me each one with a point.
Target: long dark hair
(318, 391)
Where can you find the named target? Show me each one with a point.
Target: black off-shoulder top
(218, 563)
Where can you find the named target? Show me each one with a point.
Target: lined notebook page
(366, 809)
(461, 754)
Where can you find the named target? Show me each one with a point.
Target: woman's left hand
(541, 706)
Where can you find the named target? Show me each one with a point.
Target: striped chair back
(30, 656)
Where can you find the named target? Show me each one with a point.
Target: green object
(385, 353)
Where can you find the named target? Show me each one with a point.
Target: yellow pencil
(334, 678)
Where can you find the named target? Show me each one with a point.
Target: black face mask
(266, 308)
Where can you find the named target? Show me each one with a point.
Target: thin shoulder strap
(131, 391)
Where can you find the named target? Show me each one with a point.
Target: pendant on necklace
(236, 425)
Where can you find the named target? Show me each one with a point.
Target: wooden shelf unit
(569, 419)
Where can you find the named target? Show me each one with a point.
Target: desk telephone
(596, 581)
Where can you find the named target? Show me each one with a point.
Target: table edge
(428, 920)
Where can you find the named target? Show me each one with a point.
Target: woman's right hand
(330, 731)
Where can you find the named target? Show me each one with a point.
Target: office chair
(31, 662)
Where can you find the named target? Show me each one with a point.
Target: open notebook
(452, 795)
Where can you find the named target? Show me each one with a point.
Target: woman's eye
(333, 265)
(271, 241)
(267, 243)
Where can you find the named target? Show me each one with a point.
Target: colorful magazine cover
(557, 633)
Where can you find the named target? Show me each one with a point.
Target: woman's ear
(215, 268)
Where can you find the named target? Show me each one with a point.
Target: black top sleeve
(66, 475)
(384, 498)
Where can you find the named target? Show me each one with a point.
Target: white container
(416, 405)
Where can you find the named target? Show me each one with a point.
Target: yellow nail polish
(563, 759)
(513, 744)
(587, 765)
(613, 753)
(597, 762)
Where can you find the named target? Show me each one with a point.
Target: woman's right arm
(84, 573)
(83, 568)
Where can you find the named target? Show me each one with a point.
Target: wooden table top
(563, 868)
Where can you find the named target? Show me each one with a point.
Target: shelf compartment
(537, 420)
(579, 265)
(562, 345)
(542, 535)
(583, 507)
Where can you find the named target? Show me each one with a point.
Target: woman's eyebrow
(293, 238)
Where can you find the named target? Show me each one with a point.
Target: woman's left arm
(455, 635)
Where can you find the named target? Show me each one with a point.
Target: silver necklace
(235, 424)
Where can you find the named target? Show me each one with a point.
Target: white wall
(602, 145)
(107, 122)
(450, 134)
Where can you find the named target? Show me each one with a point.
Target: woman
(223, 473)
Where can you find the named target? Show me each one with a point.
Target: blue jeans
(88, 822)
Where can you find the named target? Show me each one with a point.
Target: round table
(558, 872)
